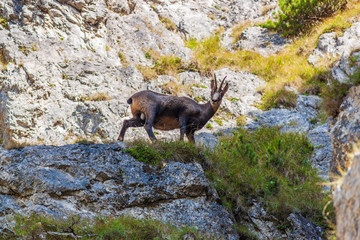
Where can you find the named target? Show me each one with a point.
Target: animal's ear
(225, 89)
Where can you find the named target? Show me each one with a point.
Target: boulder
(346, 202)
(346, 131)
(260, 40)
(96, 179)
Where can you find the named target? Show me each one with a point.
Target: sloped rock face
(346, 130)
(91, 180)
(71, 65)
(346, 47)
(346, 202)
(261, 40)
(265, 226)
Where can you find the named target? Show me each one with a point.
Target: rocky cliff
(100, 180)
(69, 66)
(67, 69)
(346, 201)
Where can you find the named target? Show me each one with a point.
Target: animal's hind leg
(133, 122)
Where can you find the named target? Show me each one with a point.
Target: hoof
(121, 139)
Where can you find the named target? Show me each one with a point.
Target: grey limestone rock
(346, 131)
(289, 120)
(303, 229)
(265, 227)
(346, 47)
(260, 40)
(91, 180)
(346, 202)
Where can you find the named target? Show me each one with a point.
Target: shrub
(269, 166)
(279, 98)
(154, 154)
(332, 94)
(297, 16)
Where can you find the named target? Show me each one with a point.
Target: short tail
(129, 101)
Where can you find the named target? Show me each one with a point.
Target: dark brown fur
(164, 112)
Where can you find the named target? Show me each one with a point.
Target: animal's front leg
(150, 116)
(182, 123)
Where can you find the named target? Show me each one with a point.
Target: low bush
(265, 165)
(279, 98)
(297, 16)
(269, 166)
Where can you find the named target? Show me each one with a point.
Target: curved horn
(215, 82)
(222, 82)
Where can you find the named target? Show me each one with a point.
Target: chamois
(164, 112)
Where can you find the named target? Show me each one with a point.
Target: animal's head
(217, 93)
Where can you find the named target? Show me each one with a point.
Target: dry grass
(177, 89)
(169, 25)
(287, 68)
(97, 97)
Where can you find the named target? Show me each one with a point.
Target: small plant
(279, 98)
(241, 120)
(218, 121)
(24, 50)
(199, 99)
(4, 23)
(34, 47)
(169, 25)
(313, 120)
(209, 126)
(107, 48)
(147, 55)
(95, 97)
(354, 60)
(293, 123)
(298, 16)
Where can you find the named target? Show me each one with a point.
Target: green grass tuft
(35, 226)
(159, 152)
(267, 165)
(279, 98)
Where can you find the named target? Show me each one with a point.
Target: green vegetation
(241, 120)
(169, 25)
(164, 151)
(269, 166)
(287, 68)
(280, 98)
(4, 22)
(265, 165)
(3, 61)
(34, 226)
(24, 50)
(298, 16)
(333, 94)
(163, 65)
